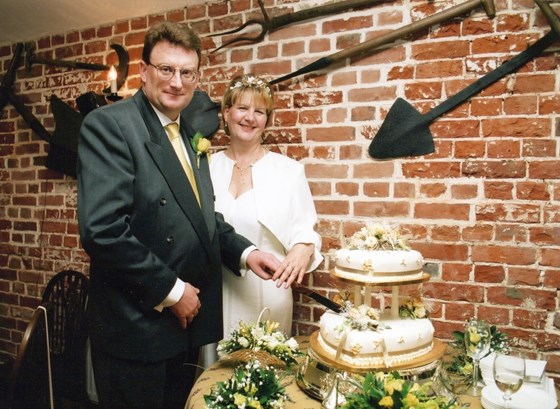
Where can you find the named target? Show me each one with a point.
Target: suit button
(170, 239)
(162, 201)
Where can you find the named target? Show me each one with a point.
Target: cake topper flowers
(378, 236)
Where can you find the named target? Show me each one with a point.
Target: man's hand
(263, 264)
(188, 305)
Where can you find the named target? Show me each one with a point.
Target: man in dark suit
(156, 248)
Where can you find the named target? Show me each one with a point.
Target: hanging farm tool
(383, 40)
(270, 24)
(405, 132)
(121, 68)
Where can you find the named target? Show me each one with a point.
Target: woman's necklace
(244, 171)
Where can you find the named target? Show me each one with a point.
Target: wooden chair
(67, 295)
(30, 385)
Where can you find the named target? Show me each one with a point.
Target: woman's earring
(226, 128)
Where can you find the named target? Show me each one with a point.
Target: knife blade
(321, 299)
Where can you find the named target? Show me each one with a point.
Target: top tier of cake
(378, 254)
(384, 266)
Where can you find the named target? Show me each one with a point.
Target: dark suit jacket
(141, 225)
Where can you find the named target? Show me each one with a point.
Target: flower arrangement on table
(458, 370)
(251, 386)
(378, 236)
(385, 391)
(261, 340)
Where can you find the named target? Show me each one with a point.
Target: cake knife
(321, 299)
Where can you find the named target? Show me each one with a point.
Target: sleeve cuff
(173, 297)
(243, 262)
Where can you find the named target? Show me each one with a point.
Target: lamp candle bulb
(113, 79)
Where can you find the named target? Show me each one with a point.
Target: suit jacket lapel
(202, 176)
(161, 151)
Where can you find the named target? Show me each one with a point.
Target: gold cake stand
(435, 354)
(316, 373)
(316, 368)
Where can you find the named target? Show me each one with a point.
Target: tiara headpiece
(251, 81)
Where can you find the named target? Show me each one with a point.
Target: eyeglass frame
(160, 74)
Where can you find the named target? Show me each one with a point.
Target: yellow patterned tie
(173, 133)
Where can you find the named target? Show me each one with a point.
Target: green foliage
(251, 386)
(382, 391)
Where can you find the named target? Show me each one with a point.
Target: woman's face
(247, 118)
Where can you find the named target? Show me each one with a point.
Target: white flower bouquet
(261, 340)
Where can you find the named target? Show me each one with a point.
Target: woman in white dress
(266, 197)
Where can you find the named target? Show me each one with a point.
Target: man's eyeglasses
(166, 72)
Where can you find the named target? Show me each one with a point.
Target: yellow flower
(392, 385)
(203, 145)
(415, 388)
(239, 399)
(271, 326)
(255, 404)
(410, 400)
(474, 338)
(430, 405)
(467, 369)
(386, 402)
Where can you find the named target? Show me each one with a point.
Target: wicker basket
(245, 355)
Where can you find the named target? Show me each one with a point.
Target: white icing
(378, 265)
(405, 340)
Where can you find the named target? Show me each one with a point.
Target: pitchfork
(270, 24)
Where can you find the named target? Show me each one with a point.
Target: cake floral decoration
(413, 307)
(378, 236)
(362, 317)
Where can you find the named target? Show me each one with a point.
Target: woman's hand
(294, 266)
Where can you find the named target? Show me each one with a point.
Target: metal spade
(383, 40)
(405, 132)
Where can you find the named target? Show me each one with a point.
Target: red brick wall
(484, 209)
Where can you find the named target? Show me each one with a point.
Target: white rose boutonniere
(201, 146)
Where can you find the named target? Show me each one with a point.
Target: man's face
(173, 95)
